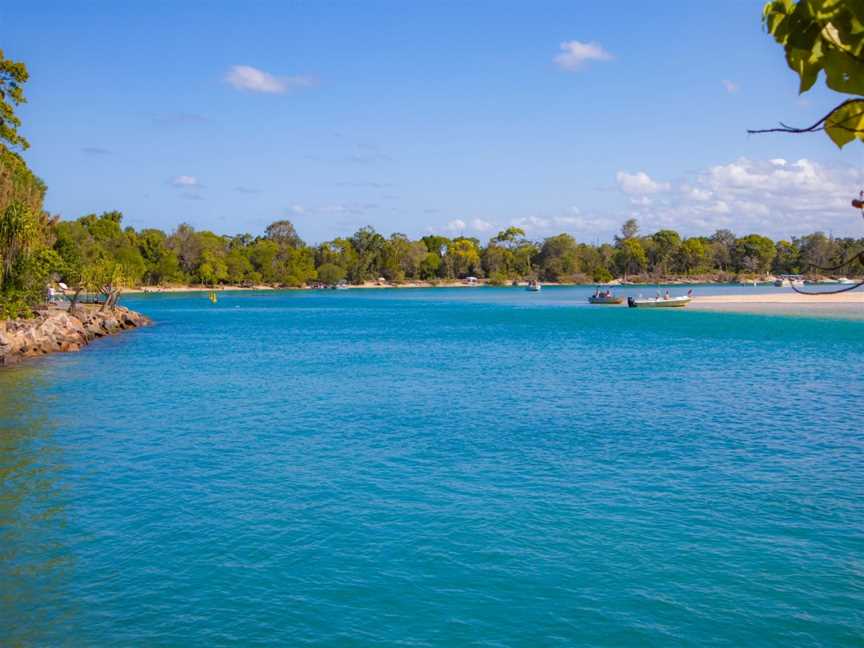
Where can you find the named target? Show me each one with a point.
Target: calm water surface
(483, 467)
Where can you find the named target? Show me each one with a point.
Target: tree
(464, 256)
(511, 238)
(824, 36)
(330, 274)
(722, 243)
(369, 245)
(753, 253)
(629, 230)
(558, 258)
(18, 237)
(665, 246)
(283, 232)
(13, 75)
(630, 257)
(693, 255)
(816, 250)
(786, 259)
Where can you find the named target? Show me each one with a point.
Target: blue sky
(430, 116)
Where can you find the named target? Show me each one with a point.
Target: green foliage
(95, 253)
(558, 258)
(26, 262)
(463, 257)
(694, 255)
(330, 274)
(13, 76)
(18, 183)
(497, 279)
(825, 36)
(630, 258)
(754, 253)
(601, 275)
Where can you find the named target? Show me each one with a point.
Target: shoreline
(56, 330)
(847, 304)
(440, 284)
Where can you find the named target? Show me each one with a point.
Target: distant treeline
(281, 258)
(96, 251)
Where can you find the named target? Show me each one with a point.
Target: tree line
(97, 253)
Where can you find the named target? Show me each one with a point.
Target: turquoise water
(482, 467)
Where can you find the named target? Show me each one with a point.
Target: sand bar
(848, 305)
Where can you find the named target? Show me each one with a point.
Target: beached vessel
(789, 280)
(659, 302)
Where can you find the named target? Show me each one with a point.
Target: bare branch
(817, 126)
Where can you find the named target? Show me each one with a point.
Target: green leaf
(846, 123)
(843, 73)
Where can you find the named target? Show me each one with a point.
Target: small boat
(659, 302)
(342, 285)
(533, 286)
(789, 280)
(605, 297)
(843, 281)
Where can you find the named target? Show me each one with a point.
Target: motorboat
(533, 286)
(659, 302)
(789, 280)
(605, 297)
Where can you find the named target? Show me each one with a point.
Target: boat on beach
(788, 281)
(659, 302)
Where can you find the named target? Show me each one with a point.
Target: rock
(52, 330)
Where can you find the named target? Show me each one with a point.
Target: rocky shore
(55, 330)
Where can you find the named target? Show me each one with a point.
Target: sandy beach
(848, 304)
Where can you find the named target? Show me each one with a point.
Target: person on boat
(690, 293)
(666, 294)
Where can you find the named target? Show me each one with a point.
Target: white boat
(533, 286)
(659, 302)
(787, 281)
(846, 281)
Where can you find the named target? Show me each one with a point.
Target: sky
(426, 117)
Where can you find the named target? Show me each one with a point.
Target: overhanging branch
(817, 126)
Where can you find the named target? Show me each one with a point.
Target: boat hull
(672, 302)
(605, 300)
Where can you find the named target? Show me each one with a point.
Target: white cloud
(456, 225)
(774, 197)
(480, 225)
(731, 86)
(639, 183)
(350, 208)
(532, 223)
(246, 77)
(575, 54)
(583, 227)
(297, 209)
(185, 182)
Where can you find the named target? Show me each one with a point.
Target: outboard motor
(631, 303)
